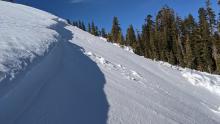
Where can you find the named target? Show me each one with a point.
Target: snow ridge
(24, 41)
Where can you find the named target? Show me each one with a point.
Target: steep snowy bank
(25, 35)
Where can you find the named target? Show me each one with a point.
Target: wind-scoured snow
(54, 73)
(25, 34)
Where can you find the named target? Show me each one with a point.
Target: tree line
(9, 0)
(91, 28)
(184, 42)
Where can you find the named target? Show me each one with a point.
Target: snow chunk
(89, 54)
(126, 48)
(203, 79)
(102, 60)
(102, 38)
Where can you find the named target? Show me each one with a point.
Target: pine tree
(120, 38)
(217, 45)
(218, 18)
(139, 48)
(210, 16)
(80, 24)
(97, 32)
(179, 41)
(217, 52)
(188, 27)
(103, 33)
(109, 37)
(75, 24)
(115, 30)
(147, 37)
(93, 29)
(89, 28)
(69, 22)
(83, 26)
(166, 33)
(130, 37)
(206, 60)
(9, 0)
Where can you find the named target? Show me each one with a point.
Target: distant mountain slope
(53, 73)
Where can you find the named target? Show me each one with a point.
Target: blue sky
(128, 11)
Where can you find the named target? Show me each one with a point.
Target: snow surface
(25, 35)
(53, 73)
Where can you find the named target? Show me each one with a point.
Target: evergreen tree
(80, 24)
(109, 37)
(147, 37)
(217, 52)
(218, 17)
(164, 24)
(140, 47)
(210, 16)
(83, 26)
(186, 43)
(131, 37)
(116, 30)
(120, 38)
(89, 28)
(188, 27)
(69, 22)
(75, 24)
(93, 29)
(179, 42)
(9, 0)
(103, 33)
(206, 60)
(97, 32)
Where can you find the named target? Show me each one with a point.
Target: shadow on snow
(73, 94)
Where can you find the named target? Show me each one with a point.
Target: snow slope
(53, 73)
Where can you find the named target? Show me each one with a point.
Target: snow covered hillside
(54, 73)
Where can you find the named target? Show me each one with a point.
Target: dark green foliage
(103, 33)
(89, 28)
(69, 22)
(140, 46)
(116, 31)
(218, 18)
(9, 0)
(79, 24)
(94, 29)
(210, 16)
(147, 37)
(131, 37)
(182, 42)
